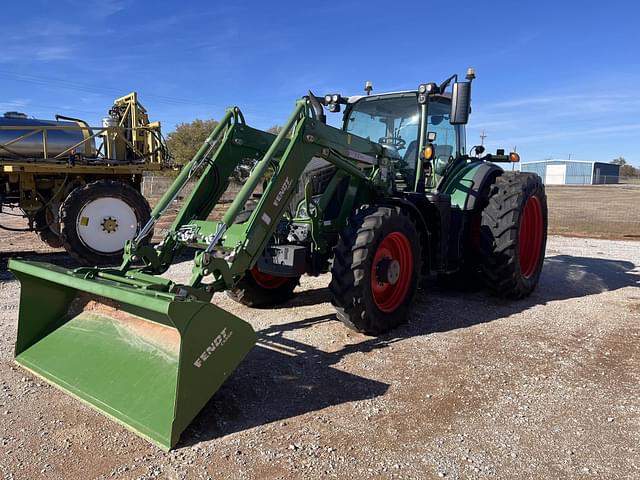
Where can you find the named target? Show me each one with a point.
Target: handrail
(95, 132)
(21, 137)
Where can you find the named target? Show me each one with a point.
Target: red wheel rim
(388, 297)
(267, 281)
(531, 233)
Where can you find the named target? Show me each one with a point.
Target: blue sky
(554, 78)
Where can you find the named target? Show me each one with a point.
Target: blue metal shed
(573, 172)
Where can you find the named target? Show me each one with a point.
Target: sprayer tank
(32, 146)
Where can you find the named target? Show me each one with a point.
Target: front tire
(376, 269)
(513, 234)
(262, 290)
(98, 218)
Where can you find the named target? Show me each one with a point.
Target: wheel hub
(391, 272)
(388, 271)
(104, 224)
(109, 225)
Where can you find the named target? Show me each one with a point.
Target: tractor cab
(407, 122)
(393, 120)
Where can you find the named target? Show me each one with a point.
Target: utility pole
(482, 137)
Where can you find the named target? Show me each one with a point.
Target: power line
(11, 104)
(106, 91)
(89, 88)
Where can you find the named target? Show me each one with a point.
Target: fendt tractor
(404, 199)
(78, 186)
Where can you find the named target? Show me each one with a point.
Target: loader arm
(228, 145)
(228, 249)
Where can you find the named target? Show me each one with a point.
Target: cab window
(438, 122)
(390, 120)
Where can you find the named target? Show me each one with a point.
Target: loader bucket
(144, 358)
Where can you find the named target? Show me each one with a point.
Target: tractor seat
(410, 154)
(442, 154)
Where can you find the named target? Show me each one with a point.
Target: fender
(467, 184)
(421, 224)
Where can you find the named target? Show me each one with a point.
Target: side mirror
(460, 103)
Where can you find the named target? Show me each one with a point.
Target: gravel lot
(471, 387)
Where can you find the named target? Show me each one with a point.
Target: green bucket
(147, 359)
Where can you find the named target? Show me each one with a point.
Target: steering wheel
(395, 142)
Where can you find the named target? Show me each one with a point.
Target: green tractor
(390, 197)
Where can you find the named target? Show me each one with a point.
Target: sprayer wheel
(48, 227)
(98, 218)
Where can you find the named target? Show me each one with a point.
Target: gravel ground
(471, 387)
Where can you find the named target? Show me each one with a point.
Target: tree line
(186, 139)
(184, 142)
(626, 170)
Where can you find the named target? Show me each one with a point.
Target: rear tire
(48, 227)
(260, 290)
(371, 293)
(98, 218)
(514, 234)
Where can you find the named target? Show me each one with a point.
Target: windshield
(392, 121)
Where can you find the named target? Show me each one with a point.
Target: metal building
(573, 172)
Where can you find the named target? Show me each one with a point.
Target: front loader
(391, 196)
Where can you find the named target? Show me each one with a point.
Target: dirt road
(471, 387)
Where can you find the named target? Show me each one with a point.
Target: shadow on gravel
(62, 259)
(563, 277)
(282, 378)
(57, 258)
(309, 297)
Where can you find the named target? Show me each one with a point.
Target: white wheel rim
(105, 224)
